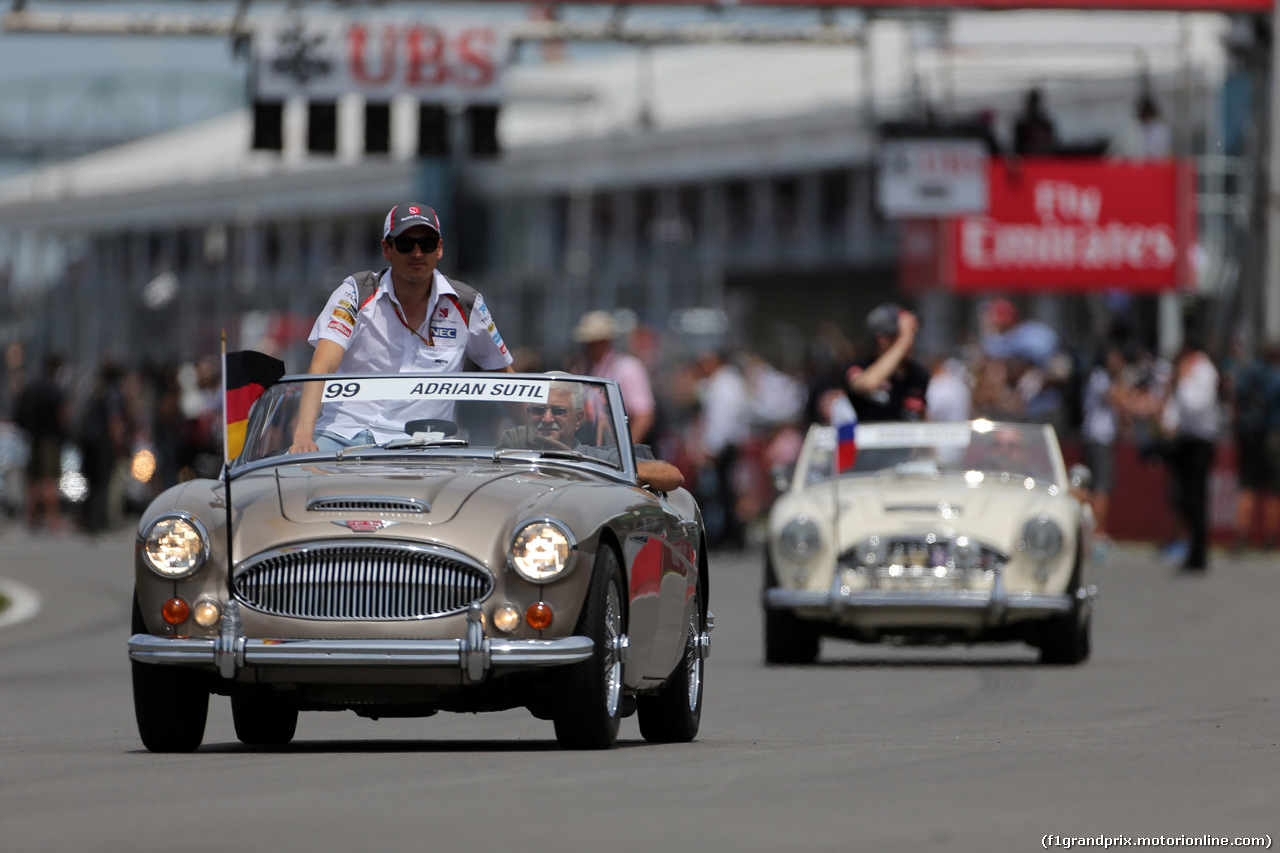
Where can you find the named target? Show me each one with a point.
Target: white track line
(24, 602)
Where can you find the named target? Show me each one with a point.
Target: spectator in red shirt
(596, 331)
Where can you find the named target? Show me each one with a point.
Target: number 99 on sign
(334, 390)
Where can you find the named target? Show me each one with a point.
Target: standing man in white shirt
(416, 320)
(726, 417)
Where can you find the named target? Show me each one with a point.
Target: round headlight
(176, 546)
(965, 552)
(542, 551)
(1041, 537)
(800, 538)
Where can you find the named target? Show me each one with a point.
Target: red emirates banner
(1071, 225)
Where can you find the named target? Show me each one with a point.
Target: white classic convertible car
(941, 532)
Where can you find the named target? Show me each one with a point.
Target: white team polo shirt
(377, 340)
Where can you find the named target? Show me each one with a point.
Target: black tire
(1066, 639)
(786, 638)
(260, 722)
(589, 700)
(171, 704)
(673, 714)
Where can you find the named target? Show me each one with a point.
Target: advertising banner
(1074, 225)
(326, 56)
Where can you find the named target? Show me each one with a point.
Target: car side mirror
(1081, 477)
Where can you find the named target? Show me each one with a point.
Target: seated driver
(555, 424)
(1007, 451)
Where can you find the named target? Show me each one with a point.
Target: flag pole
(226, 454)
(226, 433)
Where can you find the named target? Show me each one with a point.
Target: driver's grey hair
(577, 394)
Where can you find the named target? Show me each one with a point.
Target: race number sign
(412, 389)
(326, 56)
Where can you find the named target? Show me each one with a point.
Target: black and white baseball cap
(402, 217)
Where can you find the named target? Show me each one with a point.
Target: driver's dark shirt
(899, 399)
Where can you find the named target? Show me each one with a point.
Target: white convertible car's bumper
(993, 608)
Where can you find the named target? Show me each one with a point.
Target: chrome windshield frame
(625, 472)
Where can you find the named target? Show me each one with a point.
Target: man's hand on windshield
(303, 445)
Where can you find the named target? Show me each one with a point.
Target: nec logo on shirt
(444, 332)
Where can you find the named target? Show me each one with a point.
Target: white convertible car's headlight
(800, 538)
(1041, 537)
(542, 550)
(176, 546)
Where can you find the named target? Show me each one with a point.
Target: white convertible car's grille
(927, 562)
(361, 580)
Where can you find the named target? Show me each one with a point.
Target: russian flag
(846, 446)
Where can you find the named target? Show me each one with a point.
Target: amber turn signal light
(538, 616)
(176, 611)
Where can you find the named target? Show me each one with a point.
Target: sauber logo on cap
(413, 211)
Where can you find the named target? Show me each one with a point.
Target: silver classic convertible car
(469, 542)
(930, 533)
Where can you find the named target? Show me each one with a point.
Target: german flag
(245, 375)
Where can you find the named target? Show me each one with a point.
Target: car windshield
(977, 450)
(488, 414)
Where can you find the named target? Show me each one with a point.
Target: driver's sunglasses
(556, 411)
(404, 243)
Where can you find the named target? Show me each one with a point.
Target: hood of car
(468, 504)
(993, 511)
(950, 500)
(429, 494)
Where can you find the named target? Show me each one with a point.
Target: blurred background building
(709, 189)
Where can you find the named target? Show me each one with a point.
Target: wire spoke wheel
(674, 713)
(589, 694)
(610, 658)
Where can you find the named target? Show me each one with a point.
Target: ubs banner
(1071, 225)
(328, 56)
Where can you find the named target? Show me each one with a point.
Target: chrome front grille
(361, 580)
(928, 562)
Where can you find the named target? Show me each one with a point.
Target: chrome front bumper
(995, 605)
(475, 654)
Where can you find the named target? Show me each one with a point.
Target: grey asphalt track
(1171, 729)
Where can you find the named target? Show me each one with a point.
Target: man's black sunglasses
(556, 411)
(404, 243)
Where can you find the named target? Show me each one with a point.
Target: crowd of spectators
(82, 451)
(106, 443)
